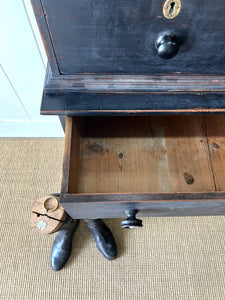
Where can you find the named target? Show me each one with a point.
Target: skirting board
(31, 129)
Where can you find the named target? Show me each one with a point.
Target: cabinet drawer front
(119, 36)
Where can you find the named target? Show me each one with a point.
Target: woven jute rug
(169, 258)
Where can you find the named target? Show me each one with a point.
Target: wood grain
(75, 156)
(143, 154)
(216, 139)
(71, 160)
(135, 83)
(123, 155)
(67, 154)
(188, 155)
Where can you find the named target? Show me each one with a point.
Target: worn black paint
(90, 103)
(147, 205)
(118, 36)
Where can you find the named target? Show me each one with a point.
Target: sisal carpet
(169, 258)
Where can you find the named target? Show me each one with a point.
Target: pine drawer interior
(145, 155)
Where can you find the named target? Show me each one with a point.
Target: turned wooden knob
(131, 221)
(167, 45)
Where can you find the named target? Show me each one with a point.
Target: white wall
(22, 71)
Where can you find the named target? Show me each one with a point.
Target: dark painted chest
(109, 55)
(110, 59)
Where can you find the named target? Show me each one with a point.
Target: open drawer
(158, 166)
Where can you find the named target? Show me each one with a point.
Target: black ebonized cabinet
(112, 65)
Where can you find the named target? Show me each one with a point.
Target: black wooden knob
(167, 45)
(131, 221)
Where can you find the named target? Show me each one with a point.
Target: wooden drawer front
(118, 36)
(158, 165)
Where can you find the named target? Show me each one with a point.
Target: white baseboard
(31, 129)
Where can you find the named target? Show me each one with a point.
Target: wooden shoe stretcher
(47, 215)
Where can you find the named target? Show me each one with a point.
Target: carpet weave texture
(169, 258)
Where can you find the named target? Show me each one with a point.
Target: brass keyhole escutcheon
(171, 8)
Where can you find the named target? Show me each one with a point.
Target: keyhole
(171, 8)
(172, 4)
